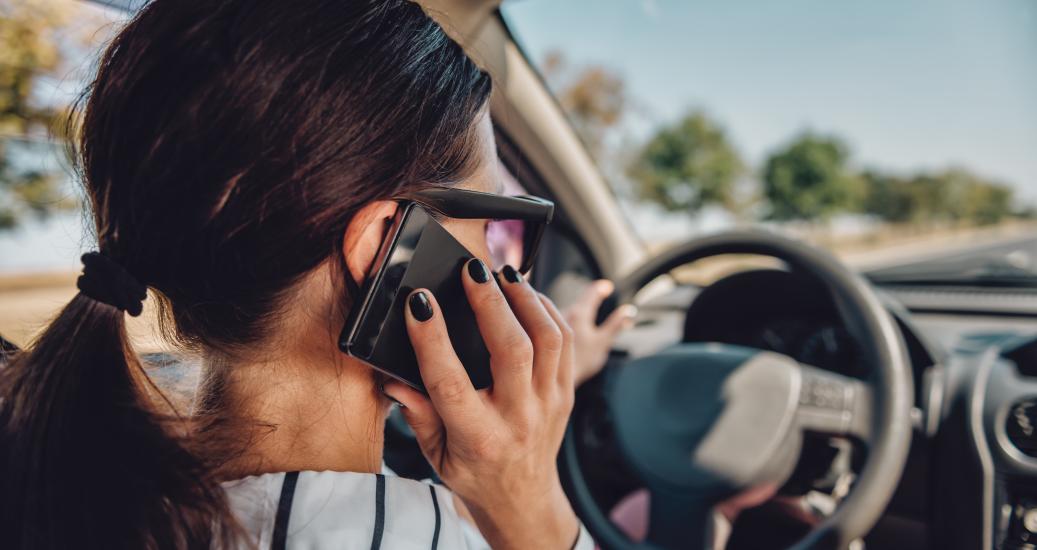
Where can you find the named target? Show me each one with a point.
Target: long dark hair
(224, 146)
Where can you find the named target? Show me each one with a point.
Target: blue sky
(909, 85)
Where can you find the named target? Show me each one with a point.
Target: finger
(445, 379)
(511, 350)
(421, 416)
(618, 321)
(566, 363)
(543, 330)
(585, 309)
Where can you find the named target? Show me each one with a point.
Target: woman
(240, 157)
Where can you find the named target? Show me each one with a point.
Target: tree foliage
(688, 165)
(593, 97)
(809, 179)
(32, 36)
(950, 196)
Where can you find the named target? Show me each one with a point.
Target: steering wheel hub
(710, 419)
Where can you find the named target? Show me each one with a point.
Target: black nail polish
(420, 307)
(477, 269)
(511, 275)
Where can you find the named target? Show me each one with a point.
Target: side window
(563, 266)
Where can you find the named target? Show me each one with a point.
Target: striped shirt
(347, 510)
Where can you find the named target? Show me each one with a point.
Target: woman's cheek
(471, 234)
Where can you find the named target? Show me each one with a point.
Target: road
(1006, 257)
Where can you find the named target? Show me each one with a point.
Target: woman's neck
(305, 406)
(291, 422)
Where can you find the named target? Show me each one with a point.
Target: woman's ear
(364, 236)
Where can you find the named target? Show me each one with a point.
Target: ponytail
(85, 461)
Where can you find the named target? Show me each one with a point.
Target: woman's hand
(496, 449)
(592, 341)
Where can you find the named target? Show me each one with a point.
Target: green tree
(688, 165)
(991, 203)
(974, 199)
(952, 196)
(33, 36)
(889, 197)
(809, 180)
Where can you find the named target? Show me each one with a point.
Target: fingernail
(477, 270)
(511, 275)
(393, 399)
(420, 306)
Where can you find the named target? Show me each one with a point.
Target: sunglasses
(514, 225)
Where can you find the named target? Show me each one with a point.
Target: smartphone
(418, 253)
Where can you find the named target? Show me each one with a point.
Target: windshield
(900, 136)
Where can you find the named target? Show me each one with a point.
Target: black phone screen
(423, 254)
(386, 284)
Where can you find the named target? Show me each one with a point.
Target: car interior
(967, 478)
(889, 412)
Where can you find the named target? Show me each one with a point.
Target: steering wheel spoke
(834, 404)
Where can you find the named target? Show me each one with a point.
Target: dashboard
(790, 313)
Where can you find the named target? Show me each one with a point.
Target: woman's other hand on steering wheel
(592, 341)
(496, 449)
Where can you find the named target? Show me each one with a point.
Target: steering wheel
(700, 422)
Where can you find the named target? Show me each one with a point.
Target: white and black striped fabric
(346, 510)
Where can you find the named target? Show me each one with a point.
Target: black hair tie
(107, 282)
